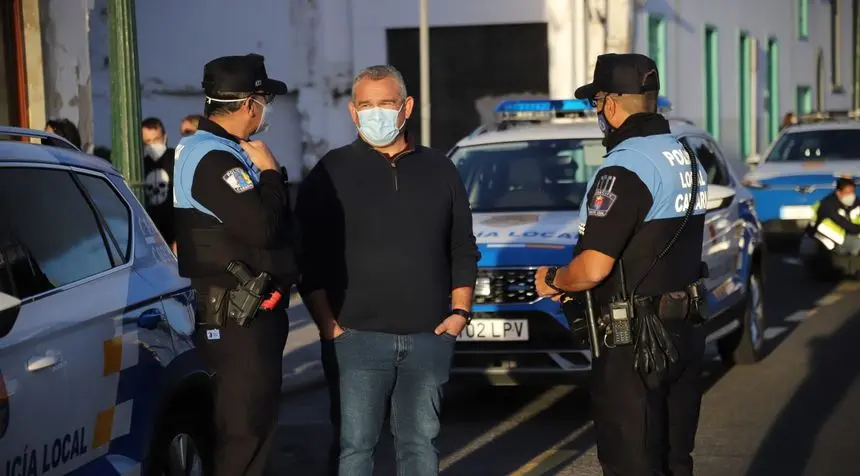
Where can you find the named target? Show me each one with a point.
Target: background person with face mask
(388, 265)
(158, 177)
(232, 204)
(837, 219)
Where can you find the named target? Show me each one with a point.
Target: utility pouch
(674, 306)
(215, 306)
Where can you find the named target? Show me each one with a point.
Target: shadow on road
(499, 430)
(793, 439)
(564, 427)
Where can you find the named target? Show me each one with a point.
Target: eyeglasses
(593, 101)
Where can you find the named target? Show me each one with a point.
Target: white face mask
(264, 120)
(263, 126)
(848, 200)
(155, 150)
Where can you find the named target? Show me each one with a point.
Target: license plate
(796, 212)
(495, 330)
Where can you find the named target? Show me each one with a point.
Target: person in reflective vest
(836, 221)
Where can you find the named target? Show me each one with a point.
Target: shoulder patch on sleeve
(603, 199)
(238, 179)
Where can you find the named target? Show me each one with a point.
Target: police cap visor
(621, 74)
(238, 75)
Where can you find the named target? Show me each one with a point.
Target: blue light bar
(557, 106)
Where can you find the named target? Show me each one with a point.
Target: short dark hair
(65, 129)
(218, 108)
(153, 123)
(193, 119)
(844, 182)
(635, 103)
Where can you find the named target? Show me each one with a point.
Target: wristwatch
(462, 312)
(550, 278)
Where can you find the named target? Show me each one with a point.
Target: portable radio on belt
(620, 314)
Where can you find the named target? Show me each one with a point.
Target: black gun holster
(243, 301)
(214, 303)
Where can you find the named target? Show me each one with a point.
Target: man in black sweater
(388, 266)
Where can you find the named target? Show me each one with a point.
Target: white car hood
(770, 170)
(513, 228)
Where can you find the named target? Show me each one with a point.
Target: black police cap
(628, 73)
(239, 74)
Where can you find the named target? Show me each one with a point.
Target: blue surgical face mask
(605, 127)
(378, 125)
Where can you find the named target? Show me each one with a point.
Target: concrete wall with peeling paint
(175, 40)
(66, 60)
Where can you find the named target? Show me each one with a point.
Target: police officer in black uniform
(232, 206)
(646, 192)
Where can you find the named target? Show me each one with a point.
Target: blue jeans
(410, 370)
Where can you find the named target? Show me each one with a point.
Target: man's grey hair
(380, 71)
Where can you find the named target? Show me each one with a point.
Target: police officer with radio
(232, 225)
(639, 256)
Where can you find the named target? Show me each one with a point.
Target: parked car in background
(98, 371)
(525, 178)
(800, 168)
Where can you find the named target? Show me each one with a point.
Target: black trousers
(247, 364)
(332, 376)
(644, 432)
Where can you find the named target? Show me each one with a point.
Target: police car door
(80, 300)
(31, 383)
(717, 245)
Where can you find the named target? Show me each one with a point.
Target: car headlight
(482, 287)
(753, 184)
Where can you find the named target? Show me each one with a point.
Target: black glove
(653, 349)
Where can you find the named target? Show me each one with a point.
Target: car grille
(505, 286)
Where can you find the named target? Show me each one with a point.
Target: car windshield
(834, 144)
(538, 175)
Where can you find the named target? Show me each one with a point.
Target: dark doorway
(468, 63)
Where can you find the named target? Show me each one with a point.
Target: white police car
(98, 372)
(525, 181)
(799, 169)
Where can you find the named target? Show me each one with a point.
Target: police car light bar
(545, 109)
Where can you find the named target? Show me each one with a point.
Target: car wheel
(745, 345)
(182, 448)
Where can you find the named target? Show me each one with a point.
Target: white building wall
(761, 19)
(316, 47)
(66, 62)
(175, 40)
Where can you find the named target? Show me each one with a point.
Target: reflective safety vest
(828, 232)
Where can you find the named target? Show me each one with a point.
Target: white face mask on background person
(378, 125)
(155, 150)
(848, 199)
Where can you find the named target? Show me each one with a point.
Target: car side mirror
(753, 159)
(9, 308)
(719, 197)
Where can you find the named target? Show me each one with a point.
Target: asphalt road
(796, 413)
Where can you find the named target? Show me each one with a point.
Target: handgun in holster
(576, 310)
(698, 297)
(252, 294)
